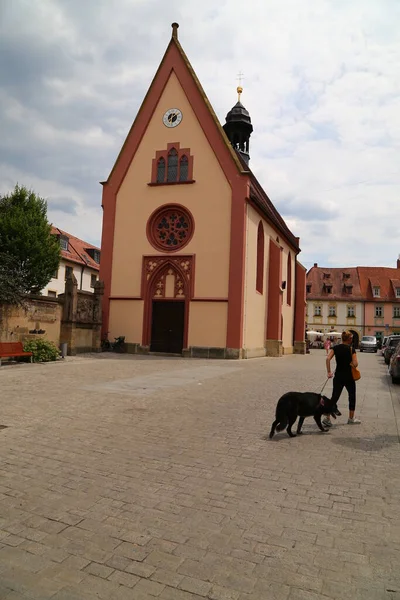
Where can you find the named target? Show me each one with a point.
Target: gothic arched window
(172, 173)
(289, 280)
(260, 259)
(161, 170)
(173, 165)
(183, 168)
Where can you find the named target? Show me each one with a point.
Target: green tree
(29, 253)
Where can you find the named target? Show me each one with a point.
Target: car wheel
(395, 379)
(360, 350)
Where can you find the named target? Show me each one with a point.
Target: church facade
(196, 260)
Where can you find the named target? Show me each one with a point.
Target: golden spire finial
(239, 89)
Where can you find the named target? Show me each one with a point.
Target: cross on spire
(239, 77)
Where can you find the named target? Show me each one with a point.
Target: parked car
(391, 346)
(368, 343)
(394, 366)
(384, 342)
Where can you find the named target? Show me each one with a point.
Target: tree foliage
(29, 253)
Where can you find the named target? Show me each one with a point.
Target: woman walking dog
(345, 356)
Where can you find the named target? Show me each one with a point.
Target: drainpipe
(82, 270)
(363, 333)
(294, 280)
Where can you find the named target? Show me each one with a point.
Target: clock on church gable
(172, 166)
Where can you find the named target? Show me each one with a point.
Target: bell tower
(238, 128)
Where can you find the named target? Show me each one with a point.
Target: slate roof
(76, 252)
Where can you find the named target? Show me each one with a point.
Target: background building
(365, 300)
(77, 257)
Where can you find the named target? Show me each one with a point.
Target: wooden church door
(167, 326)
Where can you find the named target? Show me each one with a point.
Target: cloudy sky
(322, 85)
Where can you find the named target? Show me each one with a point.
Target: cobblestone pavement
(146, 477)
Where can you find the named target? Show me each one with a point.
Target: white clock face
(172, 117)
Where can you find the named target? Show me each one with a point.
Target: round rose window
(170, 228)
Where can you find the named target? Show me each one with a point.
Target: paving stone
(146, 586)
(218, 592)
(163, 560)
(195, 491)
(169, 578)
(132, 551)
(195, 586)
(140, 569)
(98, 570)
(118, 562)
(124, 578)
(174, 594)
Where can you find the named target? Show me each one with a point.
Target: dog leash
(323, 387)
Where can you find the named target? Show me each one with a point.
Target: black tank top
(343, 356)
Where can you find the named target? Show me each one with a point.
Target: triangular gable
(176, 60)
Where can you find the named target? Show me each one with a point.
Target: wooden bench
(13, 350)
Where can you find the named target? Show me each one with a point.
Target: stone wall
(81, 317)
(73, 318)
(39, 317)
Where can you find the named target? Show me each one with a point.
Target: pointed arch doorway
(168, 286)
(167, 326)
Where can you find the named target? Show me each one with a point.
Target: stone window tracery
(174, 165)
(160, 170)
(170, 228)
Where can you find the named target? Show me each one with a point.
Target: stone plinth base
(210, 352)
(253, 352)
(299, 348)
(273, 348)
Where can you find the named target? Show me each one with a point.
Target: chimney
(316, 264)
(398, 262)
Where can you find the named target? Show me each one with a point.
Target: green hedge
(42, 350)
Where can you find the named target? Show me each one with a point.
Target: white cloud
(321, 84)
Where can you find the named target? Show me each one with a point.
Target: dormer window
(376, 291)
(64, 242)
(94, 254)
(308, 287)
(346, 275)
(348, 288)
(327, 275)
(398, 292)
(328, 289)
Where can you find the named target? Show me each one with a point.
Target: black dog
(301, 404)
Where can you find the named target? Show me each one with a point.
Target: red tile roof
(378, 277)
(362, 280)
(320, 278)
(77, 250)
